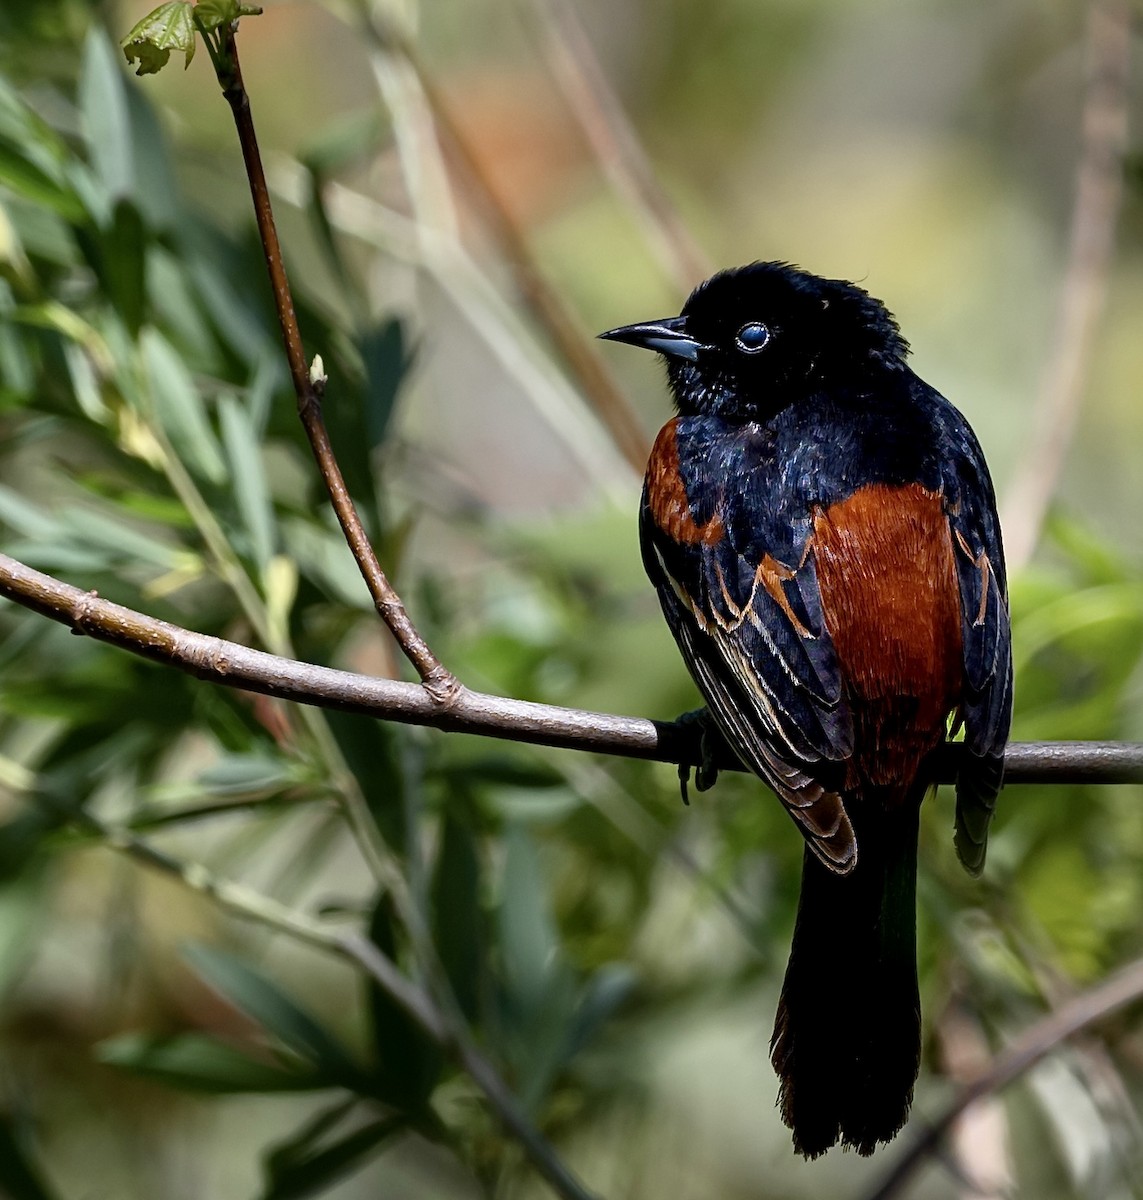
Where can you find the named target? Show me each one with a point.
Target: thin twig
(1089, 1007)
(244, 902)
(440, 684)
(575, 348)
(240, 667)
(1098, 196)
(599, 112)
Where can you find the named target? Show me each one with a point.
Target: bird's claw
(706, 772)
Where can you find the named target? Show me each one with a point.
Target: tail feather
(847, 1038)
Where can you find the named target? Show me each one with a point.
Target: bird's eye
(752, 338)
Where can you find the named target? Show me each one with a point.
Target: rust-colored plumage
(671, 508)
(887, 577)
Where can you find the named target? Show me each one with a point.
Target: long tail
(847, 1038)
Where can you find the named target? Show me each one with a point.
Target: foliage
(587, 925)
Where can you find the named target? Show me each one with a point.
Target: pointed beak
(668, 337)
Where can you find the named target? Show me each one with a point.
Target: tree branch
(237, 666)
(1098, 196)
(1023, 1053)
(575, 348)
(439, 683)
(592, 102)
(244, 902)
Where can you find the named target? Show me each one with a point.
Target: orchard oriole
(821, 528)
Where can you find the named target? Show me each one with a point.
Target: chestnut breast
(891, 602)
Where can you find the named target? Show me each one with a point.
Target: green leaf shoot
(166, 28)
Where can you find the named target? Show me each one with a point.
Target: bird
(820, 526)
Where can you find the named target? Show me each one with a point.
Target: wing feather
(986, 706)
(762, 658)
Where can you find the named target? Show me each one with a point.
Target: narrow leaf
(277, 1013)
(292, 1177)
(180, 408)
(23, 177)
(122, 263)
(457, 916)
(241, 774)
(251, 494)
(194, 1062)
(103, 111)
(527, 936)
(605, 993)
(409, 1064)
(386, 359)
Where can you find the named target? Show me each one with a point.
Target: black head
(751, 340)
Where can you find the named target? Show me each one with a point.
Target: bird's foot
(710, 743)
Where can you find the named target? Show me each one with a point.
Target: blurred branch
(244, 902)
(1024, 1052)
(240, 667)
(1098, 195)
(511, 339)
(309, 386)
(574, 346)
(592, 101)
(980, 1155)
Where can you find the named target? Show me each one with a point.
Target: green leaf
(122, 248)
(213, 13)
(24, 907)
(194, 1062)
(527, 936)
(457, 918)
(105, 118)
(23, 517)
(180, 408)
(386, 359)
(21, 838)
(502, 770)
(20, 1177)
(241, 774)
(537, 1019)
(84, 382)
(264, 1002)
(409, 1064)
(156, 189)
(296, 1169)
(251, 493)
(166, 28)
(95, 531)
(605, 993)
(23, 177)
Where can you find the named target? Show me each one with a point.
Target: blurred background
(466, 193)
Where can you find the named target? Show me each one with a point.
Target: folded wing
(751, 628)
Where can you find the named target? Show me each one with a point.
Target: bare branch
(573, 345)
(592, 101)
(979, 1141)
(1024, 1052)
(240, 667)
(440, 684)
(244, 902)
(1098, 195)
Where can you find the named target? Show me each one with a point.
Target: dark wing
(751, 629)
(986, 706)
